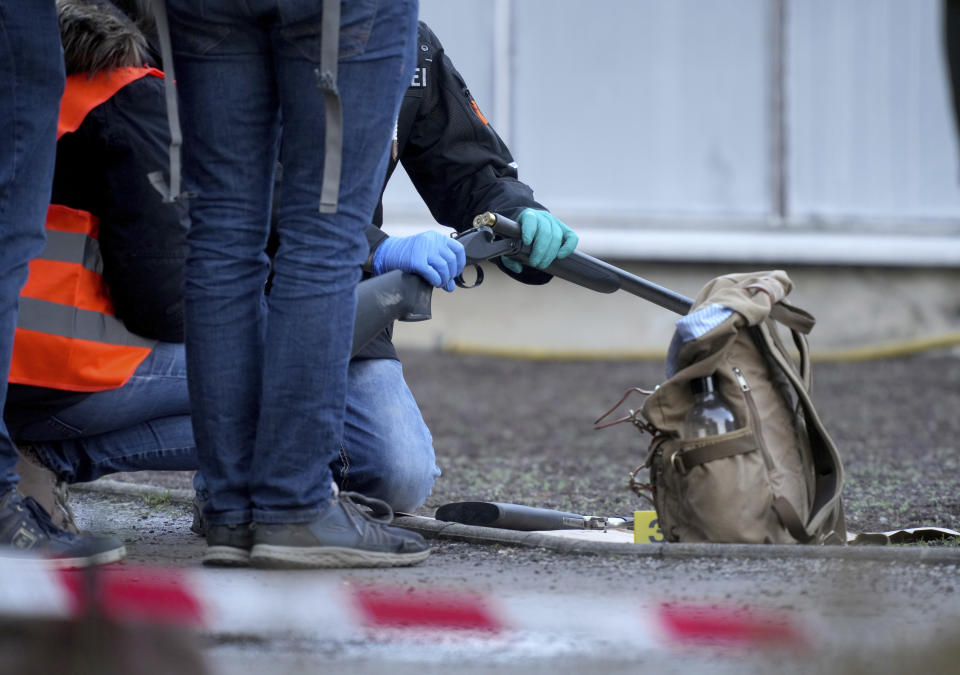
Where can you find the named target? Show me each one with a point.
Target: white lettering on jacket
(419, 78)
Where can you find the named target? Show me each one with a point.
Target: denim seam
(287, 516)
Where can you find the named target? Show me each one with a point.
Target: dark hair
(97, 36)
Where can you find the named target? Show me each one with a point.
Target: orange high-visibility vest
(67, 335)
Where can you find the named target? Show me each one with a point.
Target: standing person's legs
(317, 265)
(387, 448)
(230, 113)
(284, 389)
(313, 297)
(312, 301)
(31, 83)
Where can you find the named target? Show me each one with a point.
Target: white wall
(654, 128)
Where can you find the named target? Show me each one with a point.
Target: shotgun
(493, 235)
(401, 296)
(381, 300)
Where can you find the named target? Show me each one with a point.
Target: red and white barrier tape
(309, 605)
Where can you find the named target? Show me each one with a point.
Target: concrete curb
(117, 487)
(438, 529)
(488, 535)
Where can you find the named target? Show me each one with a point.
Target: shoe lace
(62, 493)
(380, 511)
(41, 517)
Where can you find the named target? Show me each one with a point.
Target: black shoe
(343, 535)
(228, 545)
(25, 527)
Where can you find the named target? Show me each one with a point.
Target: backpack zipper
(748, 394)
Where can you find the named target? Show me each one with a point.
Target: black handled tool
(494, 235)
(525, 518)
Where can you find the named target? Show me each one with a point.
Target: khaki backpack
(775, 479)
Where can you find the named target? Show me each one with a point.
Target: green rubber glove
(548, 236)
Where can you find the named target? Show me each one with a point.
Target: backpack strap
(739, 442)
(792, 317)
(170, 192)
(828, 473)
(327, 82)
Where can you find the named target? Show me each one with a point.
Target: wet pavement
(521, 431)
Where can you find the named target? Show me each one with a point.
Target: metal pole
(777, 83)
(503, 69)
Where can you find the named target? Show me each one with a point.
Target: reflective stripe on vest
(67, 335)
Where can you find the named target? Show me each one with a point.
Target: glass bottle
(710, 415)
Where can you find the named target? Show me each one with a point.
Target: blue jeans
(268, 375)
(387, 449)
(31, 83)
(145, 426)
(142, 426)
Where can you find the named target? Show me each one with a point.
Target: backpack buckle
(676, 460)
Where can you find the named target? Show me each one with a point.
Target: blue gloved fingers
(425, 266)
(460, 252)
(513, 265)
(447, 257)
(457, 264)
(442, 261)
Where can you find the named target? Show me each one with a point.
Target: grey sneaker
(228, 545)
(41, 483)
(343, 535)
(26, 528)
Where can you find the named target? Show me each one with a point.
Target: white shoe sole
(311, 557)
(226, 556)
(79, 562)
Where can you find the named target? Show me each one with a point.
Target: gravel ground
(522, 431)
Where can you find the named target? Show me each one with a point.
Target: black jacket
(102, 167)
(454, 158)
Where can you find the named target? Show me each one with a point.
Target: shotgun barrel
(589, 272)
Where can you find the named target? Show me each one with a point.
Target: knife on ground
(526, 518)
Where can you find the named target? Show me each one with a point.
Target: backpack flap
(704, 354)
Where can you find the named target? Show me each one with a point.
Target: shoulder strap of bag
(828, 473)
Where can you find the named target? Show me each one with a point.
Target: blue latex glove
(436, 258)
(550, 238)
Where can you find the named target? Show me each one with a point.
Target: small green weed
(157, 500)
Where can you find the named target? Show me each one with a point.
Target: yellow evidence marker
(646, 528)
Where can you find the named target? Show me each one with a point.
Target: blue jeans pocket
(356, 24)
(192, 29)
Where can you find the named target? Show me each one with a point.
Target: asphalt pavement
(521, 431)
